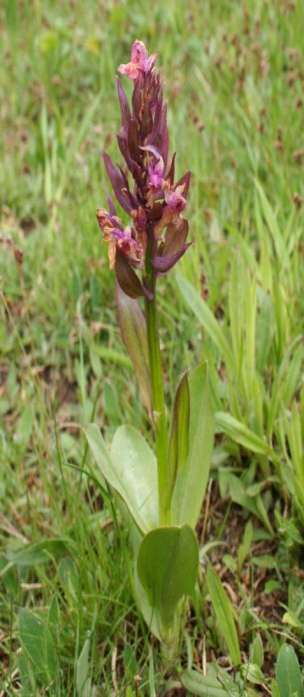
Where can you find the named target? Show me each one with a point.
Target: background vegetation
(233, 74)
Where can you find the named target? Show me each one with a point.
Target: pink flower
(156, 172)
(175, 201)
(119, 237)
(156, 168)
(175, 204)
(140, 61)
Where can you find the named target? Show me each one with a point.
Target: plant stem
(158, 395)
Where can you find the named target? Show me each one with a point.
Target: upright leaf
(192, 474)
(167, 568)
(131, 470)
(134, 335)
(224, 615)
(179, 435)
(288, 674)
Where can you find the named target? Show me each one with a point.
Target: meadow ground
(233, 77)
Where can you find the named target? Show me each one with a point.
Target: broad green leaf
(167, 568)
(135, 539)
(192, 475)
(40, 552)
(205, 317)
(179, 435)
(131, 470)
(134, 335)
(204, 686)
(240, 433)
(38, 645)
(288, 674)
(224, 615)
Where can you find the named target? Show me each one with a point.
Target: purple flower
(119, 237)
(145, 187)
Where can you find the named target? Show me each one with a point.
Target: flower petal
(184, 182)
(118, 182)
(124, 105)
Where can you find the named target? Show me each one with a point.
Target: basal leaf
(131, 469)
(167, 568)
(144, 605)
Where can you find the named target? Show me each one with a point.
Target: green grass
(233, 75)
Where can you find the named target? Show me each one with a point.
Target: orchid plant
(160, 493)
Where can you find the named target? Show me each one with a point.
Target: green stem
(158, 395)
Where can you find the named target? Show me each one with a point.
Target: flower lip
(140, 61)
(175, 201)
(155, 169)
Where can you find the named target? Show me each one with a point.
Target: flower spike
(144, 188)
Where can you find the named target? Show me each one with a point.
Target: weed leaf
(224, 615)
